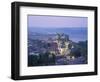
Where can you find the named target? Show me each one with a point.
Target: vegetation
(41, 60)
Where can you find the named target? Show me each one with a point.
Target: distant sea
(75, 34)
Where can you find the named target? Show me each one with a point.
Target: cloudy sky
(56, 21)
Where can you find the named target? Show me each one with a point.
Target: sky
(56, 21)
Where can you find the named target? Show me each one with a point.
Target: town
(56, 50)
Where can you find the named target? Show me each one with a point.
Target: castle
(63, 43)
(61, 46)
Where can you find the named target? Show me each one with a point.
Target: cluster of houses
(60, 46)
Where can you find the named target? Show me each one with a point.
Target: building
(64, 44)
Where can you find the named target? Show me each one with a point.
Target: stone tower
(63, 44)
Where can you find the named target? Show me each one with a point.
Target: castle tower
(63, 42)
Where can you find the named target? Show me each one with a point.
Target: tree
(32, 60)
(75, 52)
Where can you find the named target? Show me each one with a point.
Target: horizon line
(56, 27)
